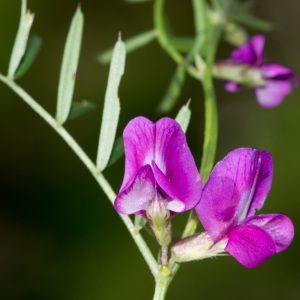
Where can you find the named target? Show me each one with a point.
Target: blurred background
(60, 237)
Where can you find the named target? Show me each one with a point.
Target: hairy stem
(141, 244)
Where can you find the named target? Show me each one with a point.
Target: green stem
(163, 280)
(90, 166)
(166, 44)
(209, 147)
(161, 288)
(161, 33)
(211, 119)
(210, 110)
(210, 124)
(201, 22)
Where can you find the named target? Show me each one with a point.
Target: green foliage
(21, 40)
(69, 67)
(183, 117)
(131, 44)
(241, 13)
(32, 49)
(173, 90)
(117, 151)
(111, 110)
(80, 108)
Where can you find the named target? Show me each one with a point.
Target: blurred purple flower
(278, 80)
(161, 177)
(237, 186)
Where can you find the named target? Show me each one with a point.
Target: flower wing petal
(139, 146)
(274, 71)
(250, 245)
(231, 86)
(273, 93)
(279, 226)
(227, 195)
(175, 169)
(135, 198)
(263, 182)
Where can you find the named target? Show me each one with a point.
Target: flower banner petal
(174, 159)
(251, 53)
(279, 226)
(139, 146)
(250, 245)
(136, 197)
(258, 42)
(228, 193)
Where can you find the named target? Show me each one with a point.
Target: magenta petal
(174, 160)
(264, 182)
(273, 71)
(139, 146)
(136, 197)
(250, 53)
(163, 146)
(250, 245)
(245, 55)
(164, 182)
(273, 93)
(227, 195)
(173, 203)
(258, 43)
(231, 86)
(279, 226)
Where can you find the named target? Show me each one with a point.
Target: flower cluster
(161, 180)
(270, 82)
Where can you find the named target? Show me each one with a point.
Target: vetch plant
(161, 178)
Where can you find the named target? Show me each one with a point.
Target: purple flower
(236, 188)
(277, 80)
(161, 177)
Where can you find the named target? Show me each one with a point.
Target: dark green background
(60, 238)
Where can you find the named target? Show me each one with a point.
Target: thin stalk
(210, 110)
(166, 44)
(211, 118)
(160, 289)
(90, 166)
(161, 32)
(210, 124)
(163, 280)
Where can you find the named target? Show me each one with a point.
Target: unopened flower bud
(159, 219)
(239, 73)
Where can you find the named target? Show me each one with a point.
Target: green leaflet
(80, 108)
(117, 151)
(19, 47)
(111, 110)
(173, 90)
(139, 222)
(69, 67)
(32, 49)
(183, 117)
(131, 44)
